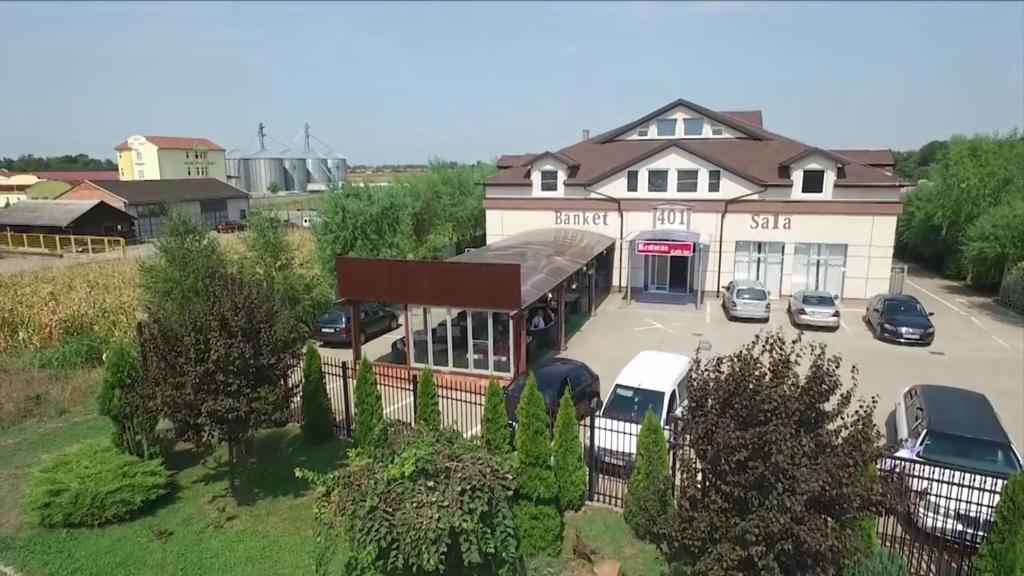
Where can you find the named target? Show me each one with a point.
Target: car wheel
(878, 332)
(394, 323)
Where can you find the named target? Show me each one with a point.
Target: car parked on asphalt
(959, 432)
(746, 299)
(334, 325)
(815, 308)
(899, 318)
(554, 377)
(652, 381)
(229, 226)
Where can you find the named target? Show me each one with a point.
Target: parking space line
(1000, 340)
(707, 313)
(939, 298)
(980, 325)
(845, 327)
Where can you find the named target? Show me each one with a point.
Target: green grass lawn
(607, 534)
(199, 529)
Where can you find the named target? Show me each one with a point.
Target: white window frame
(696, 180)
(643, 131)
(719, 181)
(548, 171)
(703, 123)
(666, 171)
(717, 130)
(429, 323)
(675, 127)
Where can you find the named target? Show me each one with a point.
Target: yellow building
(170, 158)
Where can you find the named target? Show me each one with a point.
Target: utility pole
(306, 134)
(261, 134)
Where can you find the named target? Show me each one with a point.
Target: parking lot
(978, 345)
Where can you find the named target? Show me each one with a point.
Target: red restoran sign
(664, 248)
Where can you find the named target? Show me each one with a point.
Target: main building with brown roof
(752, 204)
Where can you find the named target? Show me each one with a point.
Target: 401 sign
(674, 216)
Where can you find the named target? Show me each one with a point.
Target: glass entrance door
(657, 273)
(761, 261)
(819, 267)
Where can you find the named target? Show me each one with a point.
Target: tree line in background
(965, 216)
(67, 162)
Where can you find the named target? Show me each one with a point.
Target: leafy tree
(776, 440)
(317, 420)
(273, 188)
(370, 433)
(123, 400)
(218, 371)
(648, 502)
(428, 411)
(992, 241)
(567, 457)
(67, 162)
(186, 272)
(435, 505)
(494, 431)
(537, 518)
(1002, 551)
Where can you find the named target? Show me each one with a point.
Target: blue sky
(394, 82)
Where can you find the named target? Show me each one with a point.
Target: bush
(123, 400)
(1002, 551)
(317, 420)
(91, 485)
(648, 501)
(567, 457)
(881, 562)
(536, 492)
(369, 432)
(435, 504)
(494, 432)
(428, 412)
(75, 351)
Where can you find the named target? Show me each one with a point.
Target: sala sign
(773, 222)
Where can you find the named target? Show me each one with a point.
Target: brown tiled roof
(870, 157)
(176, 143)
(168, 191)
(756, 158)
(513, 160)
(749, 116)
(75, 176)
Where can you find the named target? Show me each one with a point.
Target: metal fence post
(344, 399)
(672, 451)
(592, 457)
(415, 389)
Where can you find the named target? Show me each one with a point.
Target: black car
(554, 377)
(899, 318)
(333, 326)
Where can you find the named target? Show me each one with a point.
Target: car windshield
(898, 308)
(630, 404)
(974, 453)
(548, 382)
(750, 294)
(333, 316)
(818, 300)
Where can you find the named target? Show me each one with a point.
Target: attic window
(549, 180)
(693, 126)
(717, 130)
(667, 127)
(642, 132)
(813, 182)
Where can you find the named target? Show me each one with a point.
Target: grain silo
(265, 172)
(295, 173)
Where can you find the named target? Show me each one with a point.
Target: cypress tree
(1002, 551)
(494, 431)
(538, 521)
(371, 436)
(648, 501)
(567, 457)
(428, 412)
(317, 420)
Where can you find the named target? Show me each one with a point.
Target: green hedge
(93, 484)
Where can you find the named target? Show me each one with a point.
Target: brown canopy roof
(166, 191)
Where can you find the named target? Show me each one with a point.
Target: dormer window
(693, 126)
(717, 130)
(549, 180)
(813, 182)
(667, 127)
(642, 132)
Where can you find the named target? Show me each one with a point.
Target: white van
(651, 380)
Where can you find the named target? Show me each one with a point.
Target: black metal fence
(936, 516)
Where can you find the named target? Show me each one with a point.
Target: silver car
(814, 308)
(746, 299)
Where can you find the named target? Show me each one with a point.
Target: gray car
(814, 308)
(746, 299)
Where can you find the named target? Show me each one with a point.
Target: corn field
(40, 306)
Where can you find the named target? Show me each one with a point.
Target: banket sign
(664, 248)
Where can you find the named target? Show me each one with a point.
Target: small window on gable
(693, 127)
(631, 180)
(714, 180)
(642, 132)
(657, 180)
(813, 182)
(549, 180)
(188, 170)
(717, 130)
(667, 127)
(686, 181)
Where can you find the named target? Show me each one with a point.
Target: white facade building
(751, 204)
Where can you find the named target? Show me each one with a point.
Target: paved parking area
(978, 345)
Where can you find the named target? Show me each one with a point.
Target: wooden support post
(10, 240)
(106, 244)
(593, 290)
(57, 238)
(42, 243)
(24, 240)
(88, 241)
(124, 251)
(408, 337)
(519, 360)
(356, 332)
(73, 249)
(561, 319)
